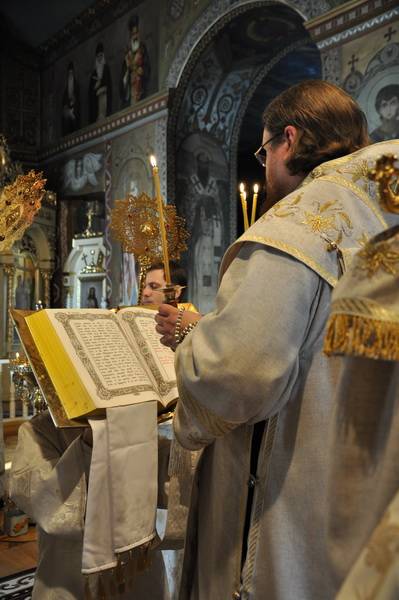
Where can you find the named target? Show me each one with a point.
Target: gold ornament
(19, 202)
(378, 256)
(135, 224)
(386, 175)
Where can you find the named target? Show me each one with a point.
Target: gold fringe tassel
(112, 583)
(362, 336)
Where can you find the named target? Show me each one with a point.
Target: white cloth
(122, 493)
(48, 481)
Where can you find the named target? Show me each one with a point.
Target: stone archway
(238, 61)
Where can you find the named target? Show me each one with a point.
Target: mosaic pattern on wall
(211, 91)
(371, 74)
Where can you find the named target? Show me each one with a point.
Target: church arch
(249, 54)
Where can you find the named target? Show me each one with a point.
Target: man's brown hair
(330, 123)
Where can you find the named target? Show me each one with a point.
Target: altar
(84, 276)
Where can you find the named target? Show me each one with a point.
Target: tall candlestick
(243, 196)
(157, 184)
(254, 202)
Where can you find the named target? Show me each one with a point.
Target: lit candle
(254, 202)
(157, 184)
(243, 196)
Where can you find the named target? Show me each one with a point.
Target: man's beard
(274, 192)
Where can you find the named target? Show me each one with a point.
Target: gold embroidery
(364, 307)
(378, 256)
(340, 180)
(363, 239)
(358, 170)
(324, 219)
(285, 208)
(317, 223)
(331, 165)
(361, 327)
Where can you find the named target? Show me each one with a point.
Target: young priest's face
(154, 281)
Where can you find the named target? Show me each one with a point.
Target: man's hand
(166, 323)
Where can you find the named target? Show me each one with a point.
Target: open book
(97, 358)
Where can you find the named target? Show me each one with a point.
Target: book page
(108, 365)
(139, 325)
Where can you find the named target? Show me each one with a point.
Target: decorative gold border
(362, 327)
(163, 387)
(364, 307)
(102, 392)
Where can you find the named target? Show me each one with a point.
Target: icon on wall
(100, 88)
(70, 102)
(82, 171)
(135, 67)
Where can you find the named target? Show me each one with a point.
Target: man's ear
(291, 135)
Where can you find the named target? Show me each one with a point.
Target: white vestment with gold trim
(259, 356)
(363, 517)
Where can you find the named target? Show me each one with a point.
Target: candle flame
(153, 161)
(256, 188)
(242, 187)
(17, 355)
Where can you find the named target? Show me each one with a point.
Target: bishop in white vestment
(258, 357)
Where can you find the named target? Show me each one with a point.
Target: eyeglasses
(261, 152)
